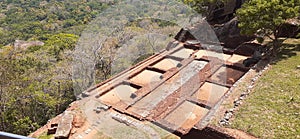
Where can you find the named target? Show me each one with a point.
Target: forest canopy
(36, 79)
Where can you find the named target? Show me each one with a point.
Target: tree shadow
(287, 50)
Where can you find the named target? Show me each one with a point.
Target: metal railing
(4, 135)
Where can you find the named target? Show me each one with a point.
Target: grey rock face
(229, 34)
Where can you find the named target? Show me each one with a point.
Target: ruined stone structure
(178, 89)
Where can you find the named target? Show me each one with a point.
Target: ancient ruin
(178, 90)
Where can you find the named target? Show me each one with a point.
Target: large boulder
(65, 125)
(230, 35)
(247, 49)
(290, 29)
(221, 12)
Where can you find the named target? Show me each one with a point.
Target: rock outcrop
(247, 49)
(65, 125)
(221, 12)
(290, 29)
(230, 35)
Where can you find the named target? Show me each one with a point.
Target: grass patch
(46, 136)
(273, 108)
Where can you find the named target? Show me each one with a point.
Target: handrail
(5, 135)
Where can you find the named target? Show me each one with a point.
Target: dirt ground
(186, 115)
(221, 56)
(119, 93)
(183, 53)
(237, 59)
(210, 92)
(166, 64)
(146, 77)
(227, 75)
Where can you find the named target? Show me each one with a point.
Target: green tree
(200, 6)
(24, 126)
(60, 42)
(32, 90)
(264, 17)
(33, 86)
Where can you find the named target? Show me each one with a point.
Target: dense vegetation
(34, 19)
(201, 6)
(36, 82)
(34, 85)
